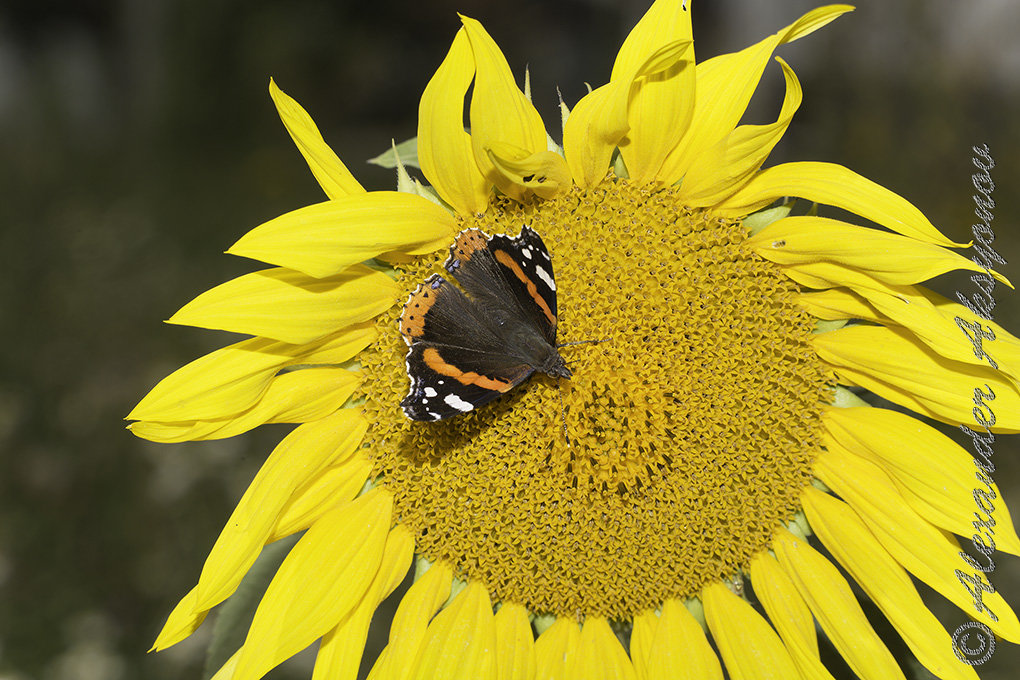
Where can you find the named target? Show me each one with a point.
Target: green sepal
(406, 152)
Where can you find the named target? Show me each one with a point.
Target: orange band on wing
(435, 361)
(504, 259)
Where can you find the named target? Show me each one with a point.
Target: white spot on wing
(429, 392)
(544, 275)
(526, 252)
(456, 402)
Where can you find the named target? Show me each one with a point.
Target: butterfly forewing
(508, 275)
(466, 350)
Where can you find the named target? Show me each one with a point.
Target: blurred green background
(138, 141)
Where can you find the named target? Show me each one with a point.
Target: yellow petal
(721, 169)
(182, 622)
(419, 604)
(336, 485)
(748, 645)
(931, 554)
(218, 384)
(599, 121)
(289, 306)
(833, 604)
(544, 173)
(888, 362)
(989, 343)
(295, 397)
(934, 474)
(326, 238)
(832, 184)
(885, 582)
(890, 258)
(515, 644)
(661, 104)
(555, 649)
(838, 304)
(232, 379)
(641, 636)
(341, 649)
(301, 455)
(332, 175)
(461, 640)
(789, 615)
(226, 671)
(961, 336)
(499, 110)
(591, 133)
(444, 148)
(599, 654)
(679, 649)
(325, 575)
(724, 86)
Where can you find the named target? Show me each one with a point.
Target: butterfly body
(468, 349)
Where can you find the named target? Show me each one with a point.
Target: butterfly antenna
(582, 342)
(563, 412)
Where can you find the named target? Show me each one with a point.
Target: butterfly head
(555, 366)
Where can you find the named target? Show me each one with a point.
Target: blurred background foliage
(138, 141)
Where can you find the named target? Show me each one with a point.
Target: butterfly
(466, 350)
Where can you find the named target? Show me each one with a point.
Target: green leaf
(234, 617)
(406, 151)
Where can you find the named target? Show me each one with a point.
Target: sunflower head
(647, 366)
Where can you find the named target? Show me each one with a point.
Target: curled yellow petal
(322, 579)
(748, 645)
(890, 258)
(930, 554)
(724, 86)
(885, 582)
(544, 173)
(721, 169)
(499, 112)
(232, 379)
(444, 148)
(934, 474)
(833, 604)
(599, 121)
(330, 172)
(660, 104)
(834, 185)
(294, 397)
(289, 306)
(953, 331)
(325, 238)
(890, 363)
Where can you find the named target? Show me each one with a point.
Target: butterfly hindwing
(448, 380)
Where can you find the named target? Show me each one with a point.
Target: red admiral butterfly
(466, 350)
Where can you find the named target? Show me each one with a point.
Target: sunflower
(662, 513)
